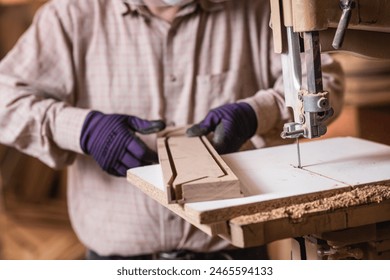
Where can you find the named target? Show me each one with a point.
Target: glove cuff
(90, 123)
(249, 118)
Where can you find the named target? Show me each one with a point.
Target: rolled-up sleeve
(37, 93)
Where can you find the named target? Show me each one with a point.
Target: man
(81, 86)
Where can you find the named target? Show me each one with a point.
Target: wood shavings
(295, 212)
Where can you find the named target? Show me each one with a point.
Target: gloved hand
(233, 124)
(111, 141)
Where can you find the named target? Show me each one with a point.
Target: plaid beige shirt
(114, 56)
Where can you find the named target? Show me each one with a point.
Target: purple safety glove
(233, 124)
(111, 141)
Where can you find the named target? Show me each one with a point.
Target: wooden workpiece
(343, 184)
(193, 171)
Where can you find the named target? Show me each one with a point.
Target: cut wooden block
(193, 171)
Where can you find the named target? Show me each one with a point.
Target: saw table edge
(248, 234)
(160, 196)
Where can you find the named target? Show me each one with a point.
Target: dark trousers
(254, 253)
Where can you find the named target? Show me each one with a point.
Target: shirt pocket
(216, 89)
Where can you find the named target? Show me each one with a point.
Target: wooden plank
(193, 171)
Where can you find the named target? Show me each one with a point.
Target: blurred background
(34, 223)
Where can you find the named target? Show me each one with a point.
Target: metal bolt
(323, 103)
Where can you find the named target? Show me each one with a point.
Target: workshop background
(34, 223)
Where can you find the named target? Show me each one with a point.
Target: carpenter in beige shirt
(116, 56)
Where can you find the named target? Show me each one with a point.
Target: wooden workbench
(344, 183)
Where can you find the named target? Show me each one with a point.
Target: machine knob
(323, 103)
(346, 6)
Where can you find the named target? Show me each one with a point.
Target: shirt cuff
(266, 108)
(68, 125)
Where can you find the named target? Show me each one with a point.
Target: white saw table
(344, 183)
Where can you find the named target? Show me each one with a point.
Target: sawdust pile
(359, 196)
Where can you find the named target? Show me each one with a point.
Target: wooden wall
(366, 112)
(34, 222)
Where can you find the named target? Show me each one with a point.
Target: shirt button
(172, 78)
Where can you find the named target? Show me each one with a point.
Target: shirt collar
(126, 7)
